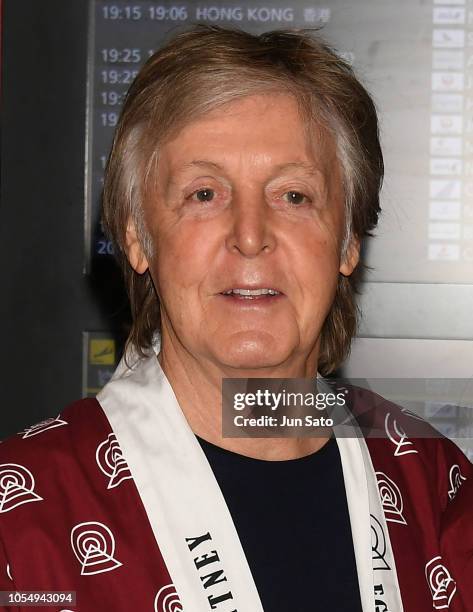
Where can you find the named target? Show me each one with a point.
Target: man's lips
(261, 293)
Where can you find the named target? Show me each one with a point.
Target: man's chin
(249, 357)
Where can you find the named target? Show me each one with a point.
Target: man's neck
(197, 386)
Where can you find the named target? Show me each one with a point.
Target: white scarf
(188, 513)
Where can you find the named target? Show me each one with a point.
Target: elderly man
(244, 173)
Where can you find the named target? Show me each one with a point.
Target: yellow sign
(102, 352)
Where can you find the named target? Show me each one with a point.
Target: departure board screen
(414, 56)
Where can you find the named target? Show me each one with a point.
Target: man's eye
(203, 195)
(294, 197)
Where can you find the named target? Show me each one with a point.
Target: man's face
(244, 203)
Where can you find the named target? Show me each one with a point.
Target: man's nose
(251, 231)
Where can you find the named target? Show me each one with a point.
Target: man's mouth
(252, 294)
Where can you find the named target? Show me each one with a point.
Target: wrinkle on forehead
(320, 145)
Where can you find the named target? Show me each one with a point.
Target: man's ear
(351, 258)
(134, 250)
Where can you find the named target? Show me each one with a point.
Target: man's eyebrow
(201, 163)
(307, 166)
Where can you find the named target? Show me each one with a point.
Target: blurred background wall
(46, 299)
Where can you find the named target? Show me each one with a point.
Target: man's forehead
(219, 140)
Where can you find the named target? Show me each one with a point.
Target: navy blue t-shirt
(293, 523)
